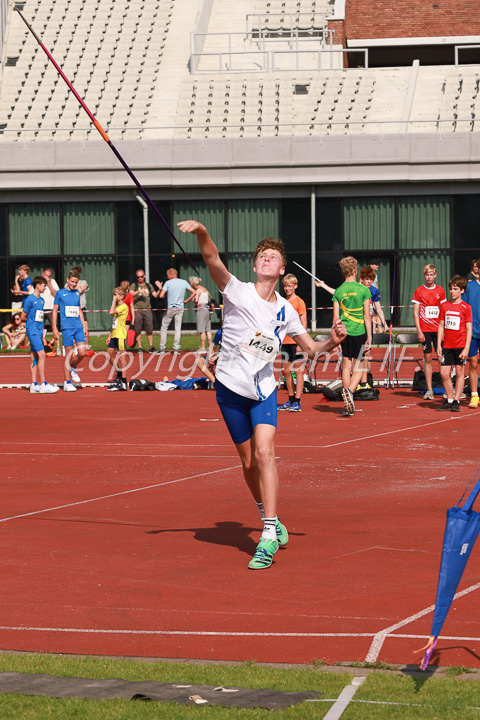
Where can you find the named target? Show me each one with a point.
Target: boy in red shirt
(427, 301)
(455, 329)
(289, 349)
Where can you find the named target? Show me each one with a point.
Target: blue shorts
(69, 336)
(36, 342)
(474, 347)
(242, 414)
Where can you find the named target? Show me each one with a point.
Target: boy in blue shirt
(32, 314)
(67, 304)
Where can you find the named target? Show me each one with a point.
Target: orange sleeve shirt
(301, 309)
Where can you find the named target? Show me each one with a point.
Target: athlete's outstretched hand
(192, 226)
(338, 332)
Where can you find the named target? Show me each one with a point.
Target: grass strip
(383, 696)
(247, 674)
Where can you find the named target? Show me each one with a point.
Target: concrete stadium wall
(282, 161)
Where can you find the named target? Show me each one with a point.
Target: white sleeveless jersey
(253, 331)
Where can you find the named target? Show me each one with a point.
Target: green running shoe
(282, 534)
(264, 553)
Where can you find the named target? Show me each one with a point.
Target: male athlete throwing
(255, 321)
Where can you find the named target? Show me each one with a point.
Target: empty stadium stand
(111, 54)
(261, 70)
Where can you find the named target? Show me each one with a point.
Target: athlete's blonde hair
(429, 268)
(290, 279)
(348, 266)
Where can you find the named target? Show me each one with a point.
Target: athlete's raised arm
(217, 269)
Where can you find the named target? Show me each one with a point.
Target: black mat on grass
(59, 687)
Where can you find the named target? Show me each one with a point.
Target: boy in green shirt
(351, 303)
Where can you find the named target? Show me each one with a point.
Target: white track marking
(379, 638)
(279, 446)
(40, 453)
(217, 633)
(390, 432)
(344, 699)
(207, 633)
(118, 494)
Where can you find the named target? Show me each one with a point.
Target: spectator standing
(48, 296)
(472, 297)
(377, 316)
(175, 289)
(367, 278)
(142, 293)
(202, 299)
(129, 302)
(427, 301)
(22, 287)
(33, 315)
(375, 265)
(116, 339)
(453, 341)
(67, 306)
(83, 288)
(293, 363)
(474, 273)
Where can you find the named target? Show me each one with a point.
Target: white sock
(269, 531)
(260, 509)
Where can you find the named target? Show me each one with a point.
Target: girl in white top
(256, 319)
(200, 297)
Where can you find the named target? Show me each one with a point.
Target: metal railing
(315, 126)
(266, 60)
(4, 4)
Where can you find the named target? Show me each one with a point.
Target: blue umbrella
(461, 531)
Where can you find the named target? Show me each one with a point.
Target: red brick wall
(339, 31)
(411, 18)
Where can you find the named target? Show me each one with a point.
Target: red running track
(126, 529)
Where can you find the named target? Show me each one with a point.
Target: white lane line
(344, 699)
(118, 494)
(207, 633)
(390, 432)
(380, 636)
(40, 453)
(219, 633)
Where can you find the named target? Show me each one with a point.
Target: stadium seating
(101, 46)
(130, 62)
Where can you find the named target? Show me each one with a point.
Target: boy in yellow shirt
(116, 339)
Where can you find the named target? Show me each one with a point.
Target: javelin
(307, 271)
(107, 140)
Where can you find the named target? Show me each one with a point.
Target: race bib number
(114, 324)
(264, 345)
(72, 311)
(452, 322)
(432, 311)
(39, 316)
